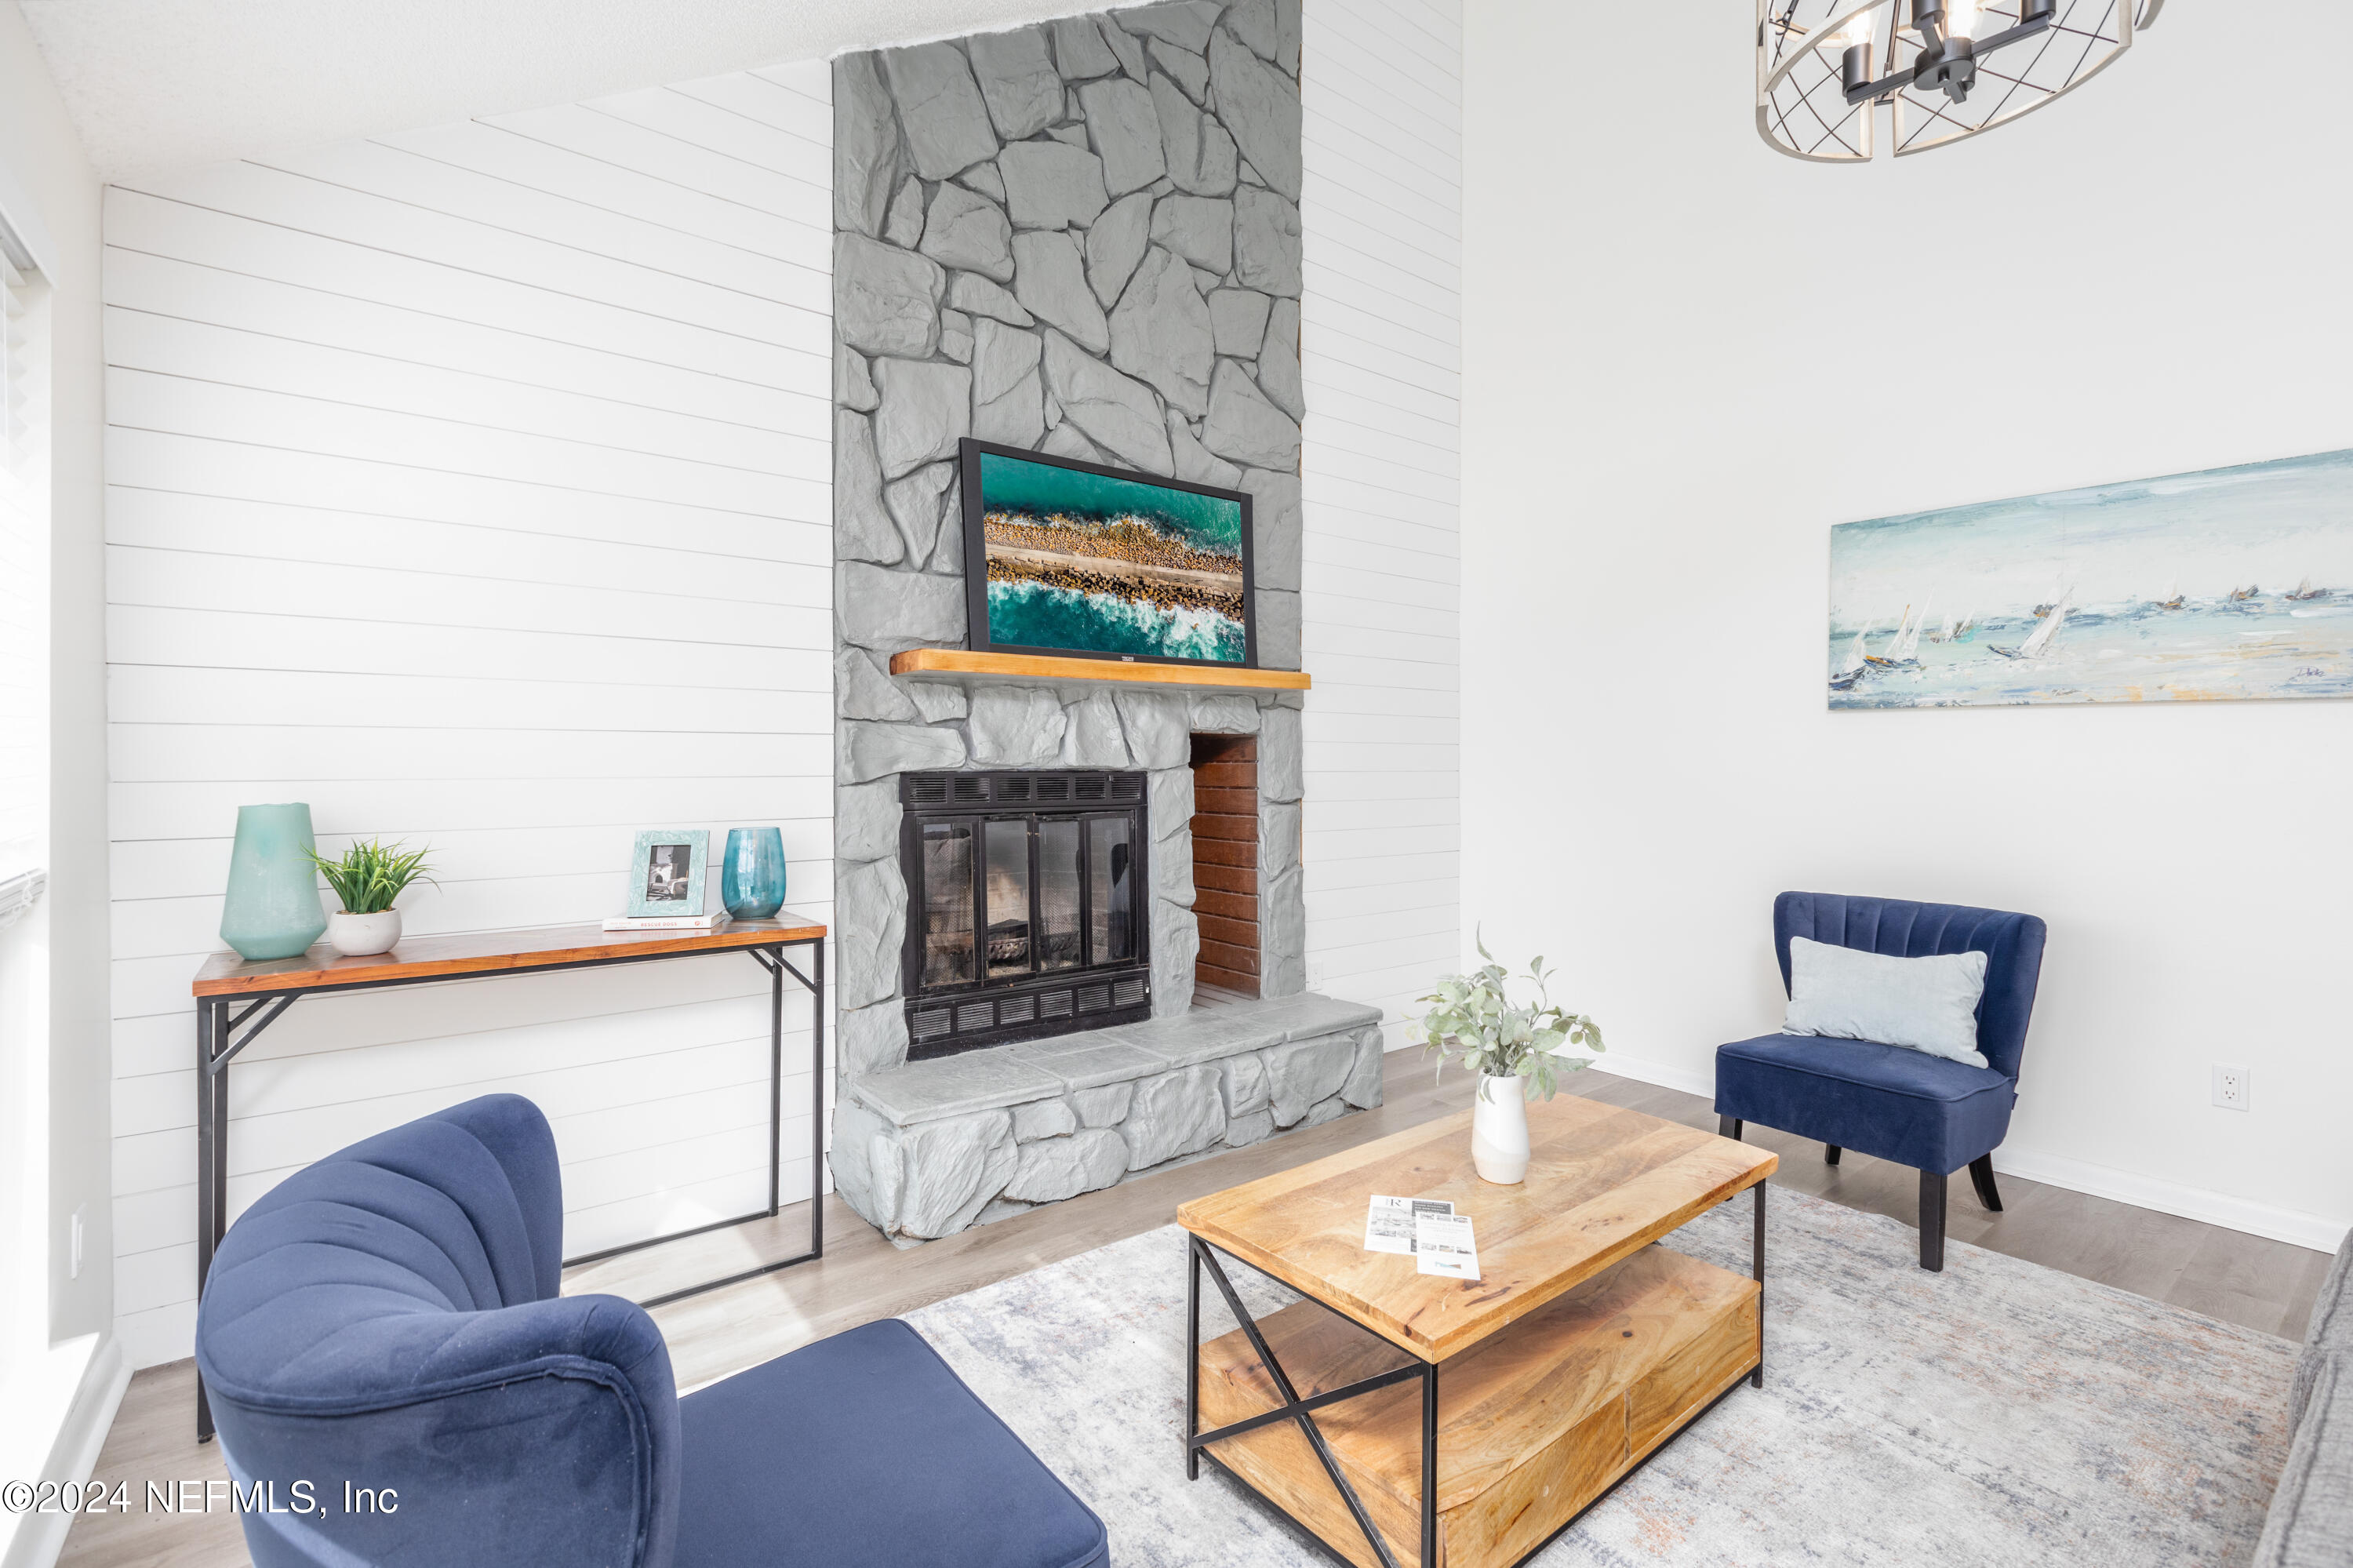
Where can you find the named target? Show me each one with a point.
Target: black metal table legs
(1293, 1408)
(221, 1033)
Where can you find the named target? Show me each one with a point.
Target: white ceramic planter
(358, 936)
(1498, 1130)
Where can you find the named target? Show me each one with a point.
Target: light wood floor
(2263, 1285)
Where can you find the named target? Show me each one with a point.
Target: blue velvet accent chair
(390, 1365)
(1927, 1112)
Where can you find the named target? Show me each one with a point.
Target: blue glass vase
(272, 910)
(752, 881)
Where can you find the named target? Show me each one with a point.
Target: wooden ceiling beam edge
(953, 663)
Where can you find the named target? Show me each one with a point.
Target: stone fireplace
(1080, 237)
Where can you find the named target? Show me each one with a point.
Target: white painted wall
(1380, 353)
(472, 485)
(1687, 358)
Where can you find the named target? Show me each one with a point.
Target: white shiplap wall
(472, 485)
(1381, 355)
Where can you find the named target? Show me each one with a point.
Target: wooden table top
(487, 952)
(1602, 1184)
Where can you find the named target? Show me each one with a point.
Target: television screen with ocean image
(1085, 561)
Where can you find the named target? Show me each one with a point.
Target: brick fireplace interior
(1225, 860)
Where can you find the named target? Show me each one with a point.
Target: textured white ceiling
(163, 84)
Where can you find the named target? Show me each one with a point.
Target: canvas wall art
(2233, 582)
(1097, 562)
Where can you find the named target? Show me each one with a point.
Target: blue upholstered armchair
(387, 1354)
(1923, 1111)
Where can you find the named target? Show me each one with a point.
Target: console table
(237, 999)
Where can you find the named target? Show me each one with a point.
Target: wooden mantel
(956, 663)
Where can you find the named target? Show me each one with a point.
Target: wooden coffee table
(1581, 1349)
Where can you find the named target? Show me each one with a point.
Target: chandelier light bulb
(1960, 18)
(1858, 30)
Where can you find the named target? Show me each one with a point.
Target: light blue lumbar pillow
(1923, 1004)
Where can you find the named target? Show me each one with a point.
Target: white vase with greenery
(1513, 1049)
(366, 880)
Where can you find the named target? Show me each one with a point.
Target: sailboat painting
(2235, 583)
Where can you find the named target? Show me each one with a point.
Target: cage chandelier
(1946, 69)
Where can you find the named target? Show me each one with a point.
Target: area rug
(1997, 1413)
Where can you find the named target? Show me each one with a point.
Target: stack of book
(667, 922)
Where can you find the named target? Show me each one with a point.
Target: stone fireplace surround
(1080, 237)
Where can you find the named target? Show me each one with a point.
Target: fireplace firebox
(1029, 905)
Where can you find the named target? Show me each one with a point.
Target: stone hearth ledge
(925, 1149)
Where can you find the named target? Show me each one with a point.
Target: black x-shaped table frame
(223, 1029)
(1199, 1253)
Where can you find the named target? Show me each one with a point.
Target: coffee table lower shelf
(1533, 1422)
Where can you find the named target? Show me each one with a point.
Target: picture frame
(668, 871)
(1156, 610)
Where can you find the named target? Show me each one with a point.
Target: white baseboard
(2321, 1233)
(73, 1456)
(2318, 1232)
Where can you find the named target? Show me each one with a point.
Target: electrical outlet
(75, 1266)
(2234, 1088)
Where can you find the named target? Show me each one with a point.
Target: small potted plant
(366, 880)
(1509, 1047)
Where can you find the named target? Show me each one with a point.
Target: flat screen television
(1079, 561)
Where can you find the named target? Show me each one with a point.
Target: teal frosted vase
(272, 910)
(752, 881)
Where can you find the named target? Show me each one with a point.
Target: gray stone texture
(870, 1039)
(1080, 51)
(1278, 629)
(1015, 726)
(1286, 36)
(1299, 1075)
(1089, 1059)
(1242, 1081)
(853, 384)
(926, 407)
(1044, 1118)
(1187, 70)
(1176, 954)
(865, 822)
(1266, 241)
(1115, 244)
(1198, 228)
(1007, 387)
(1017, 81)
(953, 1086)
(1260, 106)
(1245, 1130)
(965, 230)
(1160, 333)
(1279, 776)
(888, 611)
(1277, 360)
(1195, 462)
(861, 522)
(870, 901)
(1238, 315)
(1049, 281)
(1224, 714)
(1283, 937)
(985, 179)
(1127, 45)
(861, 691)
(1172, 866)
(877, 750)
(1324, 1111)
(919, 504)
(1070, 136)
(1094, 739)
(1063, 1168)
(940, 109)
(947, 1173)
(1253, 22)
(1048, 185)
(865, 146)
(939, 700)
(1276, 522)
(1200, 154)
(1174, 1114)
(885, 300)
(1362, 1089)
(1184, 23)
(1125, 129)
(1170, 804)
(1243, 425)
(1120, 415)
(1155, 727)
(979, 296)
(1104, 1105)
(1277, 837)
(956, 336)
(904, 224)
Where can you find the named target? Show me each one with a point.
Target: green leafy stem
(369, 876)
(1472, 1016)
